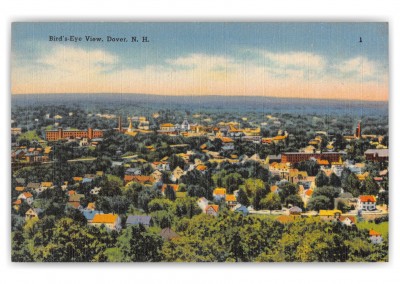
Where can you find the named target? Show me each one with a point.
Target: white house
(95, 190)
(366, 203)
(375, 237)
(202, 203)
(27, 197)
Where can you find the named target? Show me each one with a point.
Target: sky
(301, 60)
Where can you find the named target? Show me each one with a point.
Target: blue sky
(205, 59)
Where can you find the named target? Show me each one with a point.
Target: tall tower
(119, 124)
(130, 125)
(358, 130)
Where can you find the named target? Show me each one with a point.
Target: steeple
(130, 125)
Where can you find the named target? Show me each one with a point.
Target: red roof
(175, 187)
(351, 218)
(139, 179)
(374, 233)
(367, 198)
(104, 218)
(27, 194)
(214, 207)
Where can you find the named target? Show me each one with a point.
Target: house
(16, 204)
(133, 172)
(167, 127)
(110, 221)
(230, 200)
(219, 193)
(27, 197)
(86, 180)
(89, 214)
(64, 187)
(366, 203)
(74, 200)
(33, 186)
(239, 208)
(330, 214)
(20, 181)
(347, 220)
(44, 186)
(137, 219)
(95, 190)
(202, 203)
(156, 175)
(167, 234)
(295, 211)
(77, 179)
(145, 180)
(377, 155)
(175, 187)
(161, 166)
(212, 210)
(227, 143)
(32, 213)
(375, 237)
(20, 188)
(176, 174)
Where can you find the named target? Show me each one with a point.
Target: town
(134, 184)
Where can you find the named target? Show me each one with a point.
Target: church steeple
(130, 125)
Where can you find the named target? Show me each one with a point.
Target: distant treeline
(239, 104)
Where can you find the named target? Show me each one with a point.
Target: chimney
(119, 124)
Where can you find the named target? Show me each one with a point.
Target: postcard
(199, 142)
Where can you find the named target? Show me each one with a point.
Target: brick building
(296, 157)
(90, 133)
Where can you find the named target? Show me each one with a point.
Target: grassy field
(382, 228)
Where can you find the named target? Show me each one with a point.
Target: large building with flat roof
(296, 157)
(90, 133)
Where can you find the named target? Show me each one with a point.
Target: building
(219, 193)
(16, 131)
(330, 214)
(27, 197)
(366, 203)
(377, 155)
(358, 130)
(375, 237)
(138, 219)
(32, 213)
(212, 210)
(110, 221)
(202, 203)
(231, 200)
(90, 133)
(295, 210)
(296, 157)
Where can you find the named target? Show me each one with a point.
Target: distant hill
(240, 104)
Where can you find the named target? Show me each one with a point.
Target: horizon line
(206, 95)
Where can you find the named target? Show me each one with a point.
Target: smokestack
(119, 124)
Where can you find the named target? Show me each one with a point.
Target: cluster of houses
(281, 166)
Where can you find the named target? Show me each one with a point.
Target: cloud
(262, 73)
(295, 60)
(72, 60)
(360, 68)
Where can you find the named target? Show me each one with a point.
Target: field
(382, 228)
